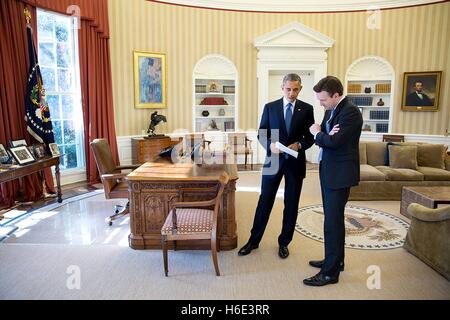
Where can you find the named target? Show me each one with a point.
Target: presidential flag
(37, 112)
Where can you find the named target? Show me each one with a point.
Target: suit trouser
(334, 201)
(269, 188)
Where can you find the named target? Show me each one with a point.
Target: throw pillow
(362, 153)
(386, 158)
(404, 157)
(431, 155)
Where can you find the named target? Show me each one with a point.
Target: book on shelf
(229, 125)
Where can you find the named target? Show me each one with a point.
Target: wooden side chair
(239, 143)
(194, 221)
(112, 177)
(190, 141)
(393, 138)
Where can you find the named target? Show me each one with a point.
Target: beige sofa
(409, 164)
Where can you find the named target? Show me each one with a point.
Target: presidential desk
(155, 186)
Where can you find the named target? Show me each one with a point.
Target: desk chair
(194, 221)
(393, 138)
(238, 143)
(112, 177)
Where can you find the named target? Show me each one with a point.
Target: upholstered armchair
(428, 236)
(112, 177)
(192, 221)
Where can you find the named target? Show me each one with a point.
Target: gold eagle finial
(27, 15)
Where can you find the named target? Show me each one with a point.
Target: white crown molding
(293, 35)
(298, 6)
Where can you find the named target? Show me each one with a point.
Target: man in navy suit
(338, 138)
(286, 121)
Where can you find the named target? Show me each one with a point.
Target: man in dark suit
(418, 97)
(286, 121)
(338, 138)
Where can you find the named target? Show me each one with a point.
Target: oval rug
(365, 228)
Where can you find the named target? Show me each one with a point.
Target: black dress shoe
(320, 280)
(283, 252)
(245, 250)
(319, 264)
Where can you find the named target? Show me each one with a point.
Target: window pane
(46, 56)
(71, 156)
(64, 80)
(62, 30)
(53, 104)
(57, 131)
(67, 102)
(57, 43)
(48, 78)
(45, 26)
(69, 132)
(63, 55)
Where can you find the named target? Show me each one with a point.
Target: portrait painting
(150, 80)
(421, 91)
(22, 154)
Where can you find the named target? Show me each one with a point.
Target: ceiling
(296, 6)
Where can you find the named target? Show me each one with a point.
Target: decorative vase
(367, 90)
(380, 103)
(205, 113)
(221, 112)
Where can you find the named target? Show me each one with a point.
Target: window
(58, 59)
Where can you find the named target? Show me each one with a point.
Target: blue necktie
(327, 124)
(327, 127)
(288, 117)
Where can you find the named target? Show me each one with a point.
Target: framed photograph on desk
(22, 154)
(17, 143)
(39, 150)
(54, 149)
(4, 156)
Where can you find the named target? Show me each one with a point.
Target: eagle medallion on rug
(365, 228)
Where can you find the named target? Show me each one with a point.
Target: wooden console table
(11, 172)
(427, 196)
(148, 149)
(154, 186)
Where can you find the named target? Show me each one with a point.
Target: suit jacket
(340, 156)
(413, 99)
(273, 119)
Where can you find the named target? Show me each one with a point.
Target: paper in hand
(285, 149)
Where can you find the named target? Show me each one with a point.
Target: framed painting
(149, 80)
(421, 91)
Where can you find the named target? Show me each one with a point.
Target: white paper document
(287, 150)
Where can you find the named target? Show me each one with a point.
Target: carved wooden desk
(155, 186)
(12, 172)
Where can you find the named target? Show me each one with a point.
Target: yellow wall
(411, 39)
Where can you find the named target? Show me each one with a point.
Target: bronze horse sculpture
(155, 119)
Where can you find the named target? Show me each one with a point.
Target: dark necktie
(288, 117)
(327, 124)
